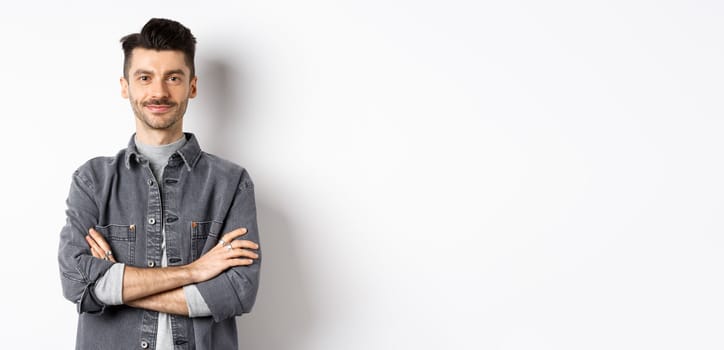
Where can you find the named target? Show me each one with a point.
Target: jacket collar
(189, 152)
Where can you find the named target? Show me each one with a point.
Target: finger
(91, 243)
(240, 262)
(102, 244)
(100, 240)
(95, 250)
(243, 253)
(249, 254)
(242, 243)
(95, 254)
(228, 237)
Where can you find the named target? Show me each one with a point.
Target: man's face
(159, 87)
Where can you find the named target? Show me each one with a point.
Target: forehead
(157, 60)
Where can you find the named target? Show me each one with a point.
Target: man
(160, 248)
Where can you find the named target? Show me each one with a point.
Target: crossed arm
(161, 289)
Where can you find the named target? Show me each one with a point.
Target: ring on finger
(109, 253)
(228, 246)
(221, 242)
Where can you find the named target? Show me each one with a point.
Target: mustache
(160, 102)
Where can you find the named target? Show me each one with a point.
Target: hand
(98, 246)
(228, 253)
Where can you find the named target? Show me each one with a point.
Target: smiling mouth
(158, 108)
(159, 105)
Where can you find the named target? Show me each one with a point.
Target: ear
(192, 85)
(124, 87)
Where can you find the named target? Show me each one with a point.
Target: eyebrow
(148, 72)
(175, 71)
(142, 72)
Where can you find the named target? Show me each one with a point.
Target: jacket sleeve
(233, 292)
(79, 270)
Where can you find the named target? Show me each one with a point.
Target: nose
(159, 88)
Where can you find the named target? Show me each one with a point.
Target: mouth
(158, 109)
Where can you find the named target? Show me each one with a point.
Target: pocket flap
(117, 232)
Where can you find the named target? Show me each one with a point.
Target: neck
(158, 137)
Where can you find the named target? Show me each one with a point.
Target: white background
(429, 175)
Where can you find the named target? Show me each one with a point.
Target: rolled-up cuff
(196, 303)
(109, 288)
(221, 297)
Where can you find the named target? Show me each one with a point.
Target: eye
(174, 79)
(144, 78)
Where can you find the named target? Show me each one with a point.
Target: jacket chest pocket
(122, 239)
(201, 232)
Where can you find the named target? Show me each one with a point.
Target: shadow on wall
(282, 315)
(222, 107)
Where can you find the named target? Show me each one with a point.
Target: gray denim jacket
(203, 197)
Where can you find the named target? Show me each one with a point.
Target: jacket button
(150, 182)
(151, 221)
(144, 345)
(151, 263)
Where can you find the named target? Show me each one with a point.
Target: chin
(156, 124)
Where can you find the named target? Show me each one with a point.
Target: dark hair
(160, 34)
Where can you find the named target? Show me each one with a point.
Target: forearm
(143, 282)
(170, 302)
(140, 283)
